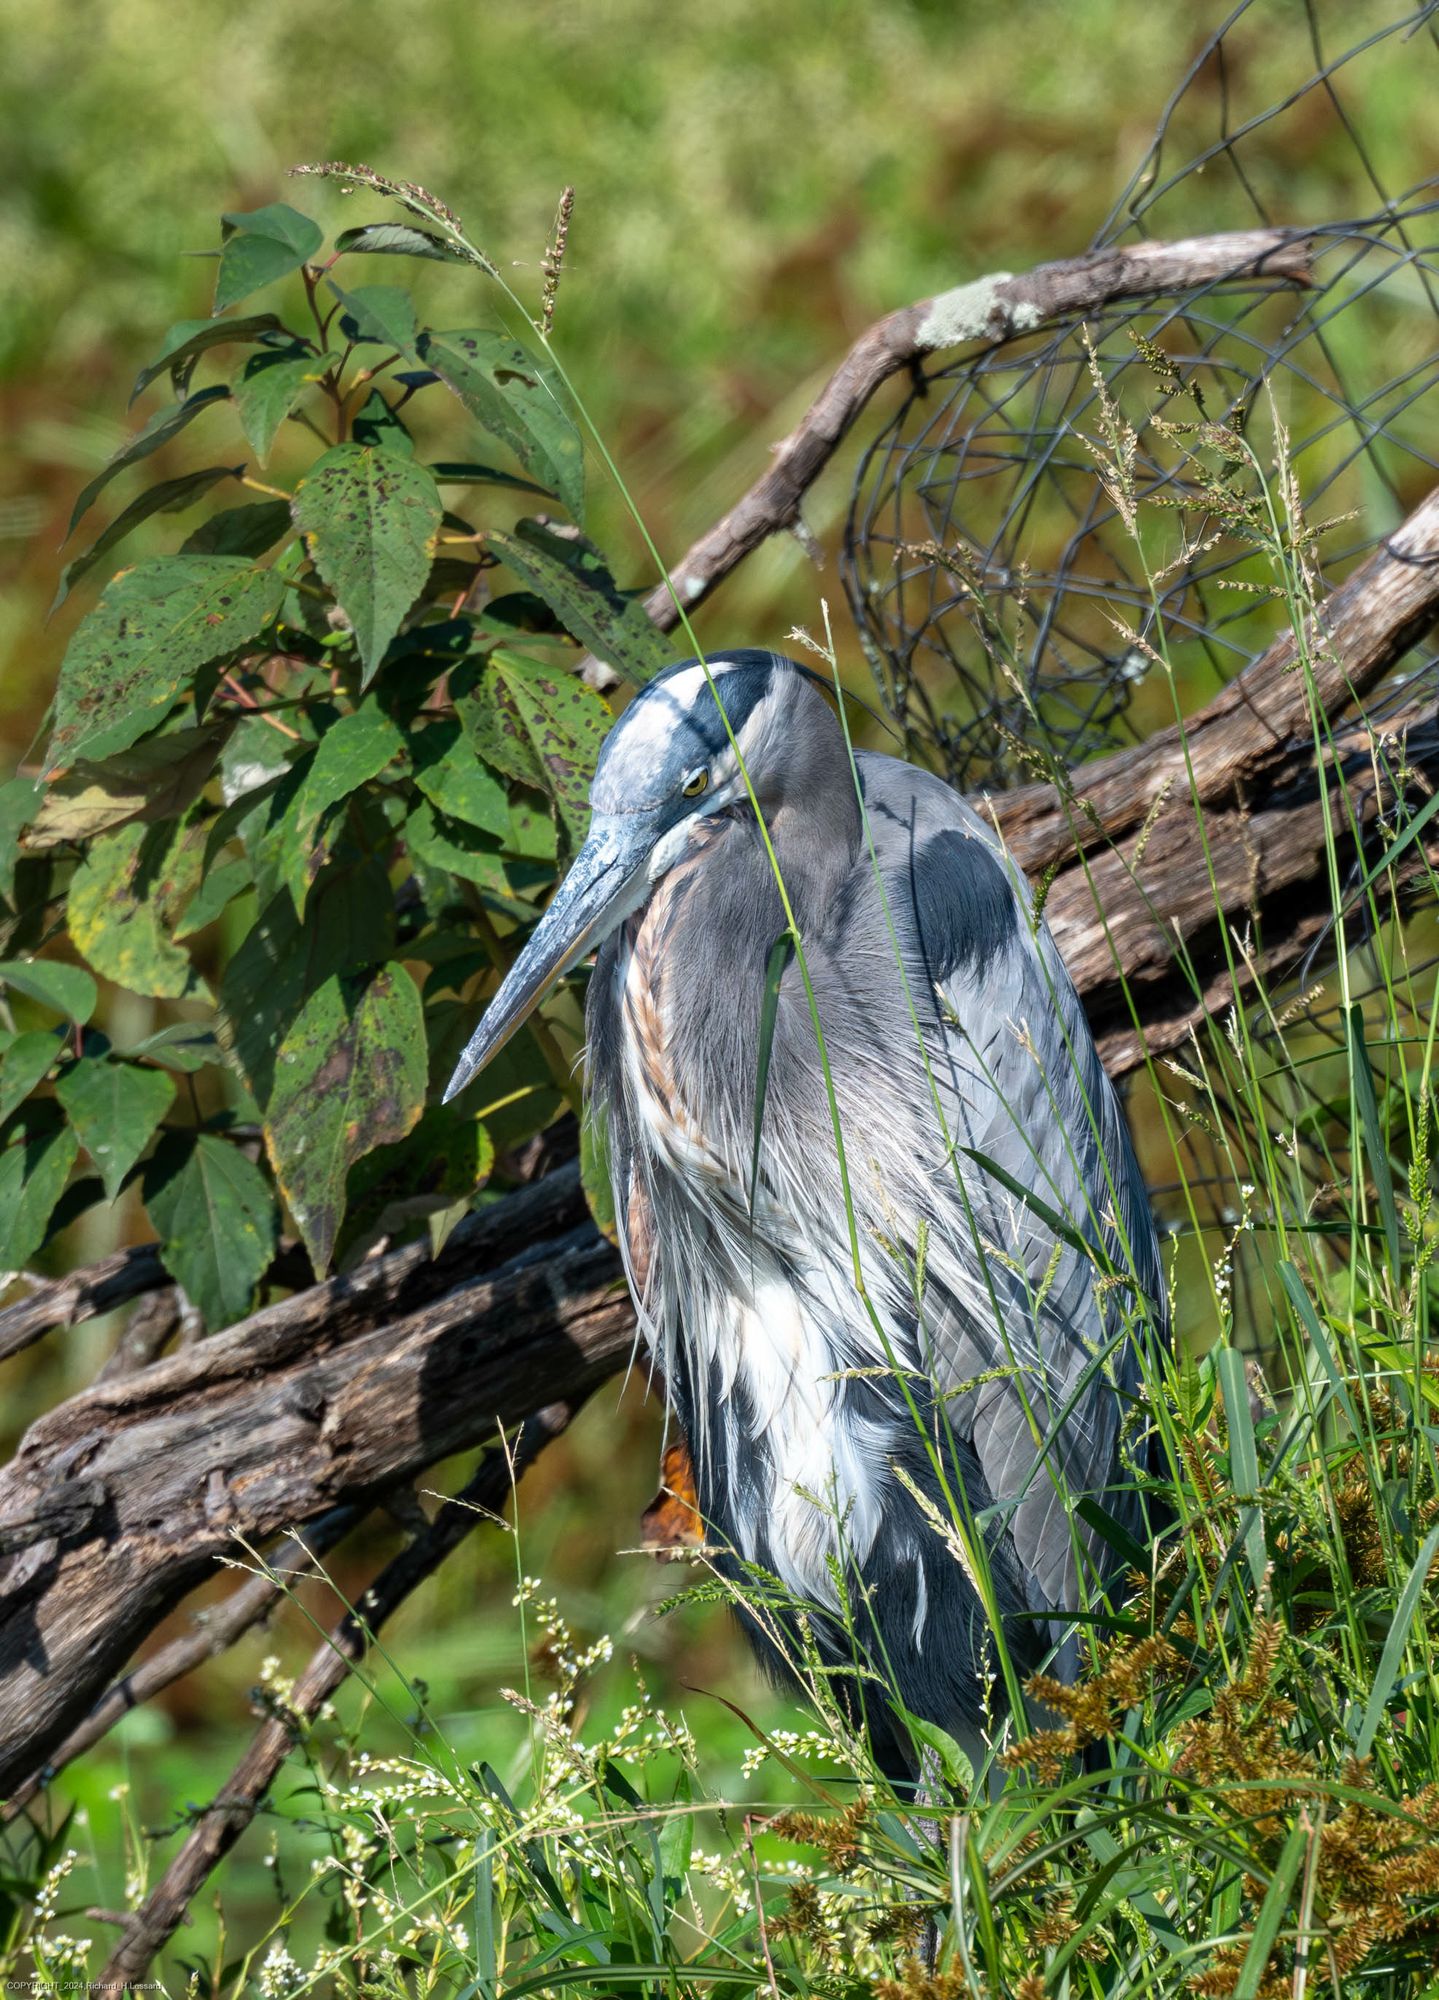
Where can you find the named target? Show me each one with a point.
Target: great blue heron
(916, 1443)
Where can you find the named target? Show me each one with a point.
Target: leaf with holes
(371, 517)
(162, 427)
(33, 1173)
(260, 245)
(123, 902)
(572, 579)
(151, 632)
(349, 1076)
(114, 1108)
(539, 724)
(517, 398)
(215, 1216)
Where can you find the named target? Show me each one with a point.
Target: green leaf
(69, 989)
(573, 581)
(375, 423)
(437, 1167)
(114, 1108)
(155, 626)
(1375, 1144)
(1397, 1638)
(19, 802)
(1277, 1904)
(169, 497)
(151, 781)
(454, 472)
(215, 894)
(26, 1062)
(188, 339)
(518, 399)
(215, 1216)
(450, 774)
(186, 1046)
(349, 1076)
(957, 1769)
(240, 531)
(351, 752)
(268, 390)
(1243, 1455)
(33, 1174)
(259, 246)
(372, 518)
(162, 427)
(122, 905)
(349, 925)
(379, 312)
(536, 723)
(595, 1169)
(396, 239)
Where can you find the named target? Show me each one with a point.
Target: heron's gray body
(987, 1366)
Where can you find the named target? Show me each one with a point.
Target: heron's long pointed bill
(588, 904)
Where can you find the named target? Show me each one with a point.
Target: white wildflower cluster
(380, 1784)
(725, 1873)
(280, 1974)
(47, 1896)
(812, 1743)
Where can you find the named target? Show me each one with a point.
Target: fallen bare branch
(986, 312)
(215, 1630)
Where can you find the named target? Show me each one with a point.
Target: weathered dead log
(123, 1499)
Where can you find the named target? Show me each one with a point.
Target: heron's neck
(814, 824)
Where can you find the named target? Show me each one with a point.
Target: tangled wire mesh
(1009, 598)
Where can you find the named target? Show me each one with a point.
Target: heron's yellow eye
(693, 786)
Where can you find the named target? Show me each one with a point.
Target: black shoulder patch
(964, 902)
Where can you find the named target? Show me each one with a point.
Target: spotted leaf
(371, 517)
(350, 1075)
(154, 627)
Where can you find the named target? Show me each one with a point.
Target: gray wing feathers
(1020, 1086)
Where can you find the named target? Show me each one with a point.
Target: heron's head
(665, 771)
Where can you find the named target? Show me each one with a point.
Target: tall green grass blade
(1398, 1639)
(1310, 1321)
(780, 954)
(1374, 1142)
(1243, 1454)
(1271, 1914)
(1397, 846)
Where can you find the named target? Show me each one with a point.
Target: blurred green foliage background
(755, 184)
